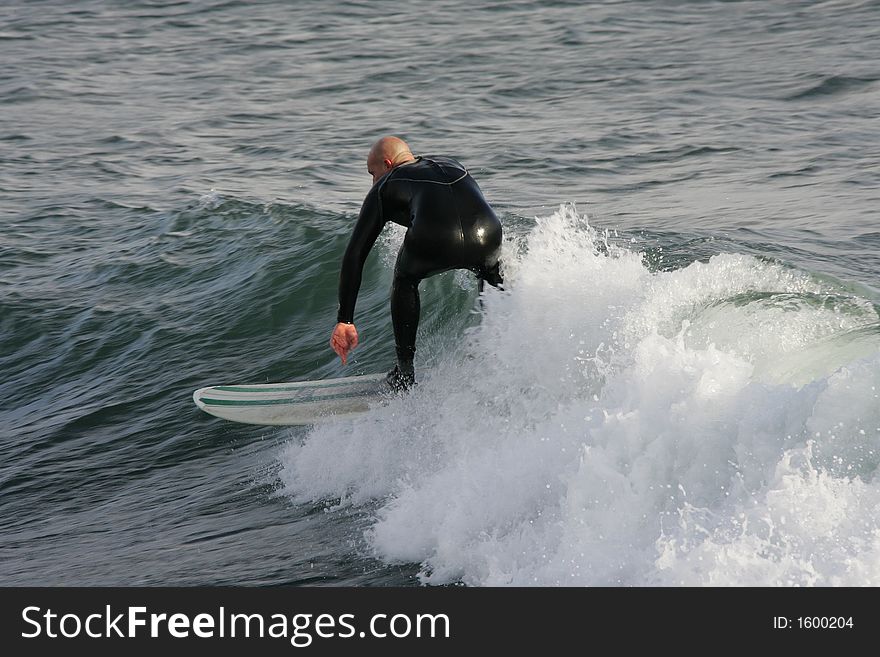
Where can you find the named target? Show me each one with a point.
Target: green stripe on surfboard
(304, 385)
(209, 401)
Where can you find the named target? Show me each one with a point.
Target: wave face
(605, 424)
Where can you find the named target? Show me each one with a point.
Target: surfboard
(295, 403)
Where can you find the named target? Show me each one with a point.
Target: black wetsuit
(450, 226)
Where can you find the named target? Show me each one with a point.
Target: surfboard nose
(294, 403)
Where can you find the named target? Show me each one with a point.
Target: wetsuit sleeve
(367, 229)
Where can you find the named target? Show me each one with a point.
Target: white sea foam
(609, 425)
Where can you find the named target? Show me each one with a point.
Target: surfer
(449, 226)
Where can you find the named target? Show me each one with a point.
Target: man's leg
(405, 309)
(413, 264)
(492, 275)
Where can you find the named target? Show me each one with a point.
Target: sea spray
(607, 424)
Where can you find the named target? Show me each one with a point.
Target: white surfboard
(301, 402)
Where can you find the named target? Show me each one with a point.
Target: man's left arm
(366, 231)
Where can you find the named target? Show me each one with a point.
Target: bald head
(386, 154)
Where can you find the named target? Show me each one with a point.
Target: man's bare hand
(343, 340)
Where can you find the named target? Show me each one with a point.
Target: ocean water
(680, 384)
